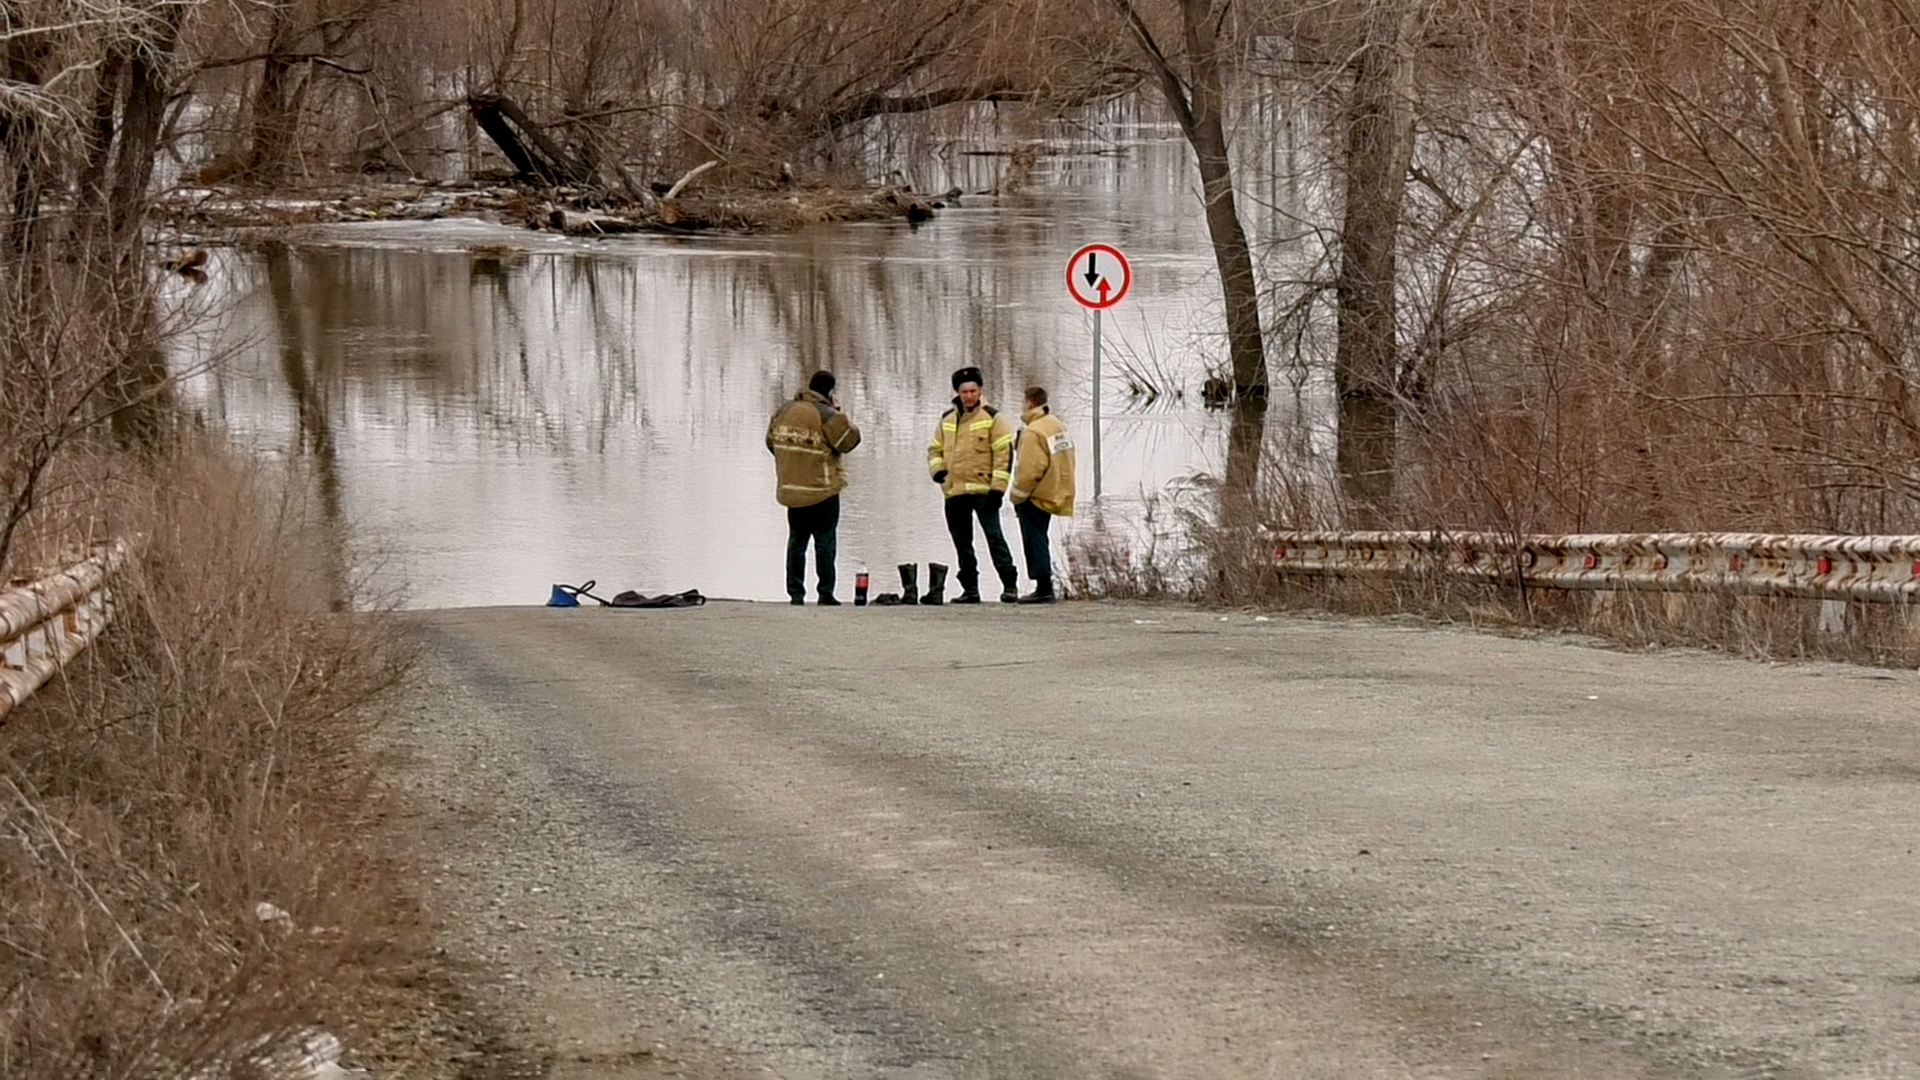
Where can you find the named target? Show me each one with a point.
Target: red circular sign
(1098, 276)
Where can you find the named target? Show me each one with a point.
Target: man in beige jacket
(971, 457)
(1042, 489)
(807, 437)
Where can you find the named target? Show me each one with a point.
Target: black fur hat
(968, 375)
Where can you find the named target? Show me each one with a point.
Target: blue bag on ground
(569, 595)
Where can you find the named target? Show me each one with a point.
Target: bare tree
(1192, 80)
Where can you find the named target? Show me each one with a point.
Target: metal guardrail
(47, 623)
(1876, 568)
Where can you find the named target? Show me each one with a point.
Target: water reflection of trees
(565, 351)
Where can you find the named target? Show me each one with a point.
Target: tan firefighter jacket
(1044, 473)
(807, 437)
(974, 448)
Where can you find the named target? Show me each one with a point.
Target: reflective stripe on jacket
(1044, 474)
(974, 448)
(807, 437)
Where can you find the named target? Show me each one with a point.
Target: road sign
(1098, 276)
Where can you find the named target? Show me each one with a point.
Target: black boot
(1009, 590)
(910, 583)
(936, 584)
(1042, 592)
(969, 590)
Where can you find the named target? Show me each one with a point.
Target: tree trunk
(18, 143)
(106, 102)
(142, 112)
(22, 60)
(1379, 144)
(275, 118)
(1206, 131)
(1199, 103)
(275, 121)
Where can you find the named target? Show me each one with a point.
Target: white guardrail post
(1877, 568)
(47, 623)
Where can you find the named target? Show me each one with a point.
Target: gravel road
(1131, 842)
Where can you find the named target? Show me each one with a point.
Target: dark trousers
(1033, 540)
(816, 523)
(961, 510)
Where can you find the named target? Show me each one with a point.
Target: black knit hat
(821, 383)
(968, 375)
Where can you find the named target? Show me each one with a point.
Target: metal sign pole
(1096, 404)
(1099, 292)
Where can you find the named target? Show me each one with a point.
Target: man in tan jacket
(1042, 489)
(971, 457)
(807, 437)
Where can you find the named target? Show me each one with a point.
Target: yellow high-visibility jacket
(974, 448)
(807, 437)
(1044, 475)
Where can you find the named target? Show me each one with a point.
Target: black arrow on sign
(1093, 274)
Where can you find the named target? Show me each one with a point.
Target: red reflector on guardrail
(1824, 566)
(1592, 561)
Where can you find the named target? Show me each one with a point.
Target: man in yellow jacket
(971, 458)
(1042, 489)
(807, 437)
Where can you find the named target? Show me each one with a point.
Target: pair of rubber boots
(936, 584)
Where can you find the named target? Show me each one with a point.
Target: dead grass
(206, 757)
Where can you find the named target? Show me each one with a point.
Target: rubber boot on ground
(910, 583)
(1042, 592)
(936, 584)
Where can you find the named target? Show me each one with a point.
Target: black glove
(940, 477)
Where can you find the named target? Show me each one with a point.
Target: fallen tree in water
(610, 206)
(537, 157)
(572, 211)
(741, 212)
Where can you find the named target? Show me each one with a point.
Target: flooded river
(489, 410)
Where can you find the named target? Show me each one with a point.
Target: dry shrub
(206, 756)
(1127, 557)
(1683, 297)
(77, 362)
(1201, 543)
